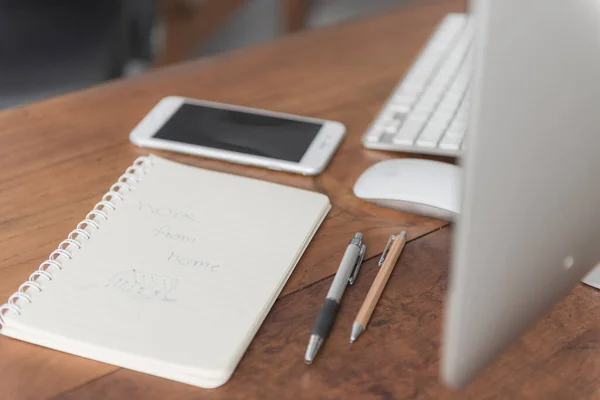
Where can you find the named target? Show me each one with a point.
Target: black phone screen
(241, 132)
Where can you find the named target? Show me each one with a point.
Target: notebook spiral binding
(75, 239)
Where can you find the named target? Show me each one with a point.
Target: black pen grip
(325, 318)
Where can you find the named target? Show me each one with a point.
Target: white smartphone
(240, 134)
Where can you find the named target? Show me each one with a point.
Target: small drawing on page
(144, 285)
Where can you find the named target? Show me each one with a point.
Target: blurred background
(48, 47)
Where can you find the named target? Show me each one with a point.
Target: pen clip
(361, 255)
(387, 248)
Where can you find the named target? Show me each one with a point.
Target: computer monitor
(529, 228)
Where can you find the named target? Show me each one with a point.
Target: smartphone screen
(241, 132)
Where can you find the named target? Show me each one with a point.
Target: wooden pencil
(390, 258)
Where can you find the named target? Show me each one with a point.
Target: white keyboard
(427, 113)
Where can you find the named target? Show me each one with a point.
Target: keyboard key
(392, 126)
(462, 80)
(396, 108)
(460, 122)
(430, 136)
(434, 93)
(383, 120)
(425, 107)
(409, 91)
(399, 115)
(454, 133)
(374, 134)
(404, 100)
(409, 131)
(441, 118)
(453, 97)
(449, 104)
(462, 113)
(457, 127)
(421, 76)
(451, 142)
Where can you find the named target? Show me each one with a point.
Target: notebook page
(182, 269)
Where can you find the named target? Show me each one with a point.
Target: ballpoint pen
(346, 274)
(388, 260)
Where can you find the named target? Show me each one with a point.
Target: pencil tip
(357, 329)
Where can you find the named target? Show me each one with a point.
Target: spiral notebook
(171, 273)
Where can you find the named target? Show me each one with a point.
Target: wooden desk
(59, 156)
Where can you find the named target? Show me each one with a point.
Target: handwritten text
(164, 232)
(167, 212)
(190, 262)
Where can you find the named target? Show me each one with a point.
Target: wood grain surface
(59, 156)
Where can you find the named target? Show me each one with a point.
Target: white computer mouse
(424, 187)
